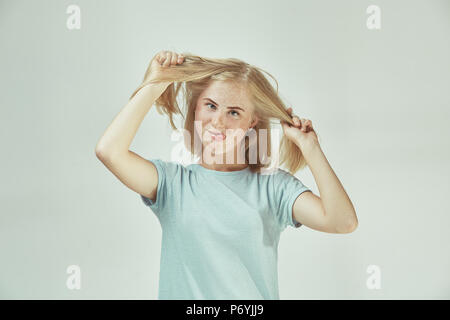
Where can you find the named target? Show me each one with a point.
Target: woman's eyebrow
(231, 107)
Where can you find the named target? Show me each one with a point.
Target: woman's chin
(217, 146)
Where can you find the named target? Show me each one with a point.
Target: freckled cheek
(202, 118)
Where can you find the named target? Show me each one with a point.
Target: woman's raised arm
(112, 149)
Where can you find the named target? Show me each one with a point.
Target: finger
(180, 58)
(162, 58)
(303, 124)
(159, 58)
(294, 120)
(174, 59)
(306, 126)
(289, 111)
(168, 59)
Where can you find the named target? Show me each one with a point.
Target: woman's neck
(224, 167)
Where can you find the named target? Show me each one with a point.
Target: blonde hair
(198, 72)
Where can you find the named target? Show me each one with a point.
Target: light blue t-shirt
(220, 230)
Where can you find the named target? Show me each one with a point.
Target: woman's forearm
(335, 200)
(120, 133)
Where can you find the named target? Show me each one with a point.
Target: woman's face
(224, 112)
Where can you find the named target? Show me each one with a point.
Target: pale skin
(223, 107)
(332, 212)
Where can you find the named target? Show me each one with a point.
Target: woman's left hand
(301, 133)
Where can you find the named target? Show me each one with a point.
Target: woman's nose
(218, 121)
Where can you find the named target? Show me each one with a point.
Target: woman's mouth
(217, 136)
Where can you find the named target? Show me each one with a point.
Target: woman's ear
(255, 122)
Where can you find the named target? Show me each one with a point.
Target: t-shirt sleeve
(287, 188)
(167, 173)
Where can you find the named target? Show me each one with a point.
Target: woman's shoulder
(281, 177)
(274, 173)
(170, 166)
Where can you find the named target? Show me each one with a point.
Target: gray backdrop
(379, 99)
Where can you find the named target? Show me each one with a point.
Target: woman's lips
(217, 136)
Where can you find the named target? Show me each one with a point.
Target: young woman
(221, 219)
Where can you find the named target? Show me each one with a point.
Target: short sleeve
(286, 189)
(167, 173)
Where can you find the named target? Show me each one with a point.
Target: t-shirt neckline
(217, 172)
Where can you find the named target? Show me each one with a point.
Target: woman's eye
(233, 112)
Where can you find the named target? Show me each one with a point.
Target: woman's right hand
(161, 61)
